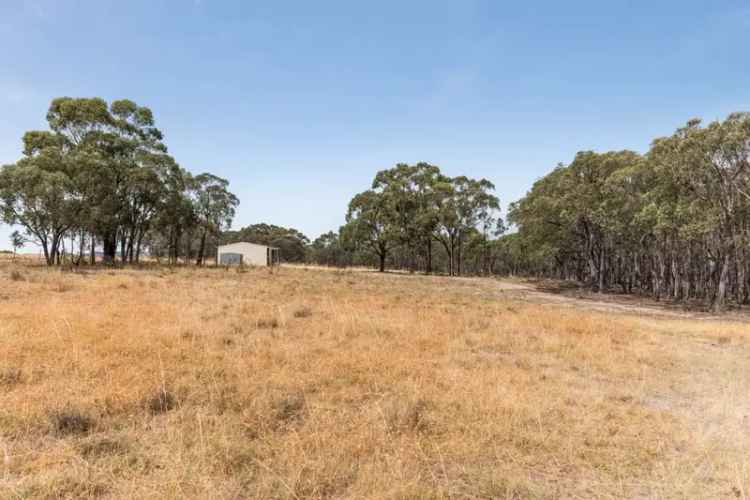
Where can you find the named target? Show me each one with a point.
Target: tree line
(417, 218)
(673, 223)
(101, 177)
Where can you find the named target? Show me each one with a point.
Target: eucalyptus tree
(146, 194)
(545, 228)
(369, 225)
(40, 201)
(106, 151)
(411, 198)
(39, 193)
(102, 174)
(710, 169)
(411, 206)
(328, 250)
(214, 205)
(674, 223)
(462, 204)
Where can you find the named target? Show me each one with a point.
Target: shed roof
(244, 243)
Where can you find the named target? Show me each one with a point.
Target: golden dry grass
(312, 384)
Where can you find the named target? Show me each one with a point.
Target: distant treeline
(673, 223)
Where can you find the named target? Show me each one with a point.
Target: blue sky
(299, 103)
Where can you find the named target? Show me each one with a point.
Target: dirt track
(610, 303)
(555, 294)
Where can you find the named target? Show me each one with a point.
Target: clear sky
(299, 103)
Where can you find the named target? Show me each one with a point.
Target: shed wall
(252, 255)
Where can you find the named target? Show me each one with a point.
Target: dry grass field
(304, 383)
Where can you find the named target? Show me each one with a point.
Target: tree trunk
(721, 290)
(45, 249)
(459, 257)
(742, 292)
(602, 269)
(123, 248)
(131, 245)
(138, 247)
(451, 258)
(429, 256)
(54, 257)
(109, 247)
(81, 246)
(177, 238)
(201, 250)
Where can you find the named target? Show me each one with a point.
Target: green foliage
(102, 174)
(410, 208)
(674, 223)
(290, 242)
(214, 206)
(328, 250)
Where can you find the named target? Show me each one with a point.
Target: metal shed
(249, 254)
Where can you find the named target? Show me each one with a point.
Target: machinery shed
(248, 254)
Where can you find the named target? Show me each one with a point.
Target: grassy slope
(312, 384)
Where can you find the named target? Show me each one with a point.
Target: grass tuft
(161, 402)
(10, 376)
(70, 421)
(62, 287)
(404, 415)
(290, 407)
(267, 323)
(303, 312)
(102, 447)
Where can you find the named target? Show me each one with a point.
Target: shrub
(267, 323)
(161, 402)
(16, 275)
(303, 312)
(102, 447)
(403, 415)
(290, 407)
(10, 376)
(70, 421)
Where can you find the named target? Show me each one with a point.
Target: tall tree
(369, 224)
(411, 197)
(102, 174)
(214, 206)
(674, 223)
(462, 205)
(41, 202)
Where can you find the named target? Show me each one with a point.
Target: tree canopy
(101, 175)
(409, 212)
(673, 223)
(292, 244)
